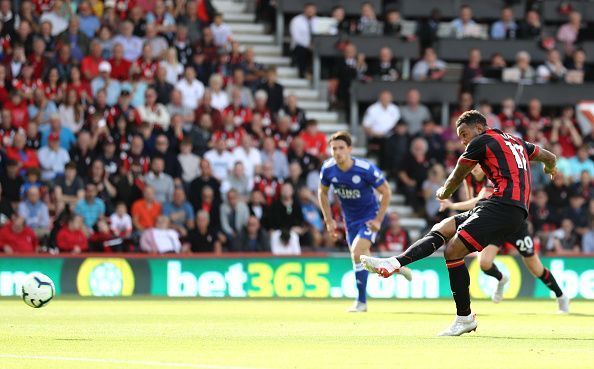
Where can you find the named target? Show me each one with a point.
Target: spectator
(71, 111)
(394, 238)
(435, 178)
(252, 238)
(132, 45)
(385, 69)
(238, 181)
(6, 209)
(249, 156)
(577, 213)
(506, 27)
(71, 237)
(89, 23)
(188, 22)
(219, 98)
(473, 72)
(274, 91)
(120, 223)
(17, 237)
(314, 141)
(413, 173)
(205, 179)
(552, 70)
(53, 158)
(295, 176)
(257, 204)
(161, 239)
(90, 63)
(284, 212)
(430, 68)
(26, 158)
(414, 113)
(206, 109)
(585, 186)
(295, 113)
(153, 112)
(432, 134)
(35, 212)
(234, 215)
(119, 67)
(558, 193)
(510, 114)
(268, 184)
(314, 225)
(90, 208)
(261, 108)
(57, 17)
(379, 120)
(301, 29)
(11, 182)
(393, 23)
(189, 162)
(569, 33)
(192, 89)
(211, 204)
(542, 216)
(565, 132)
(221, 32)
(176, 107)
(564, 241)
(203, 238)
(220, 159)
(368, 23)
(160, 182)
(242, 114)
(531, 27)
(146, 210)
(269, 153)
(254, 71)
(41, 109)
(180, 212)
(464, 25)
(309, 163)
(580, 163)
(104, 82)
(395, 148)
(284, 242)
(346, 71)
(578, 71)
(427, 29)
(588, 241)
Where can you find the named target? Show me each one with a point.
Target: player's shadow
(538, 338)
(423, 313)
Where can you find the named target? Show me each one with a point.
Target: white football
(38, 289)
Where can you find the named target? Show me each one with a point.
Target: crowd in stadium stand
(144, 126)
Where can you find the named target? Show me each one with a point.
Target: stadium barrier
(250, 276)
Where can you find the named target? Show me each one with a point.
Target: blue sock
(361, 277)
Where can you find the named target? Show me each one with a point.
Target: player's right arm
(326, 212)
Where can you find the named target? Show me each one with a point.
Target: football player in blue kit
(354, 182)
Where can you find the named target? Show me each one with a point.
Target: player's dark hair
(342, 136)
(471, 118)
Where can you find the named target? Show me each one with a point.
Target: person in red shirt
(268, 184)
(261, 98)
(205, 107)
(82, 87)
(16, 237)
(230, 133)
(38, 59)
(26, 84)
(71, 237)
(27, 158)
(395, 238)
(241, 113)
(120, 67)
(54, 89)
(146, 66)
(315, 141)
(90, 63)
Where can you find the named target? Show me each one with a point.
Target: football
(38, 290)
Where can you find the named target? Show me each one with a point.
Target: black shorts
(491, 223)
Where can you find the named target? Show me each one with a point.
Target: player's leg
(488, 267)
(538, 270)
(427, 245)
(360, 246)
(454, 255)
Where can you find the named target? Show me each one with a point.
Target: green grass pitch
(274, 334)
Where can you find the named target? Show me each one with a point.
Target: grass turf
(218, 334)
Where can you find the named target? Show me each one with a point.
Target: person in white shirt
(430, 68)
(57, 17)
(132, 44)
(189, 161)
(220, 159)
(249, 156)
(381, 117)
(191, 88)
(52, 158)
(120, 222)
(173, 67)
(464, 22)
(221, 32)
(284, 242)
(161, 239)
(552, 70)
(219, 99)
(152, 112)
(301, 28)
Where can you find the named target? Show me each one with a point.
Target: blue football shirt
(354, 189)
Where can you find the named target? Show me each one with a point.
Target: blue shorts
(359, 230)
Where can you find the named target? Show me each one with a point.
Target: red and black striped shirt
(505, 159)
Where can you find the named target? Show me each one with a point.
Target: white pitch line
(128, 362)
